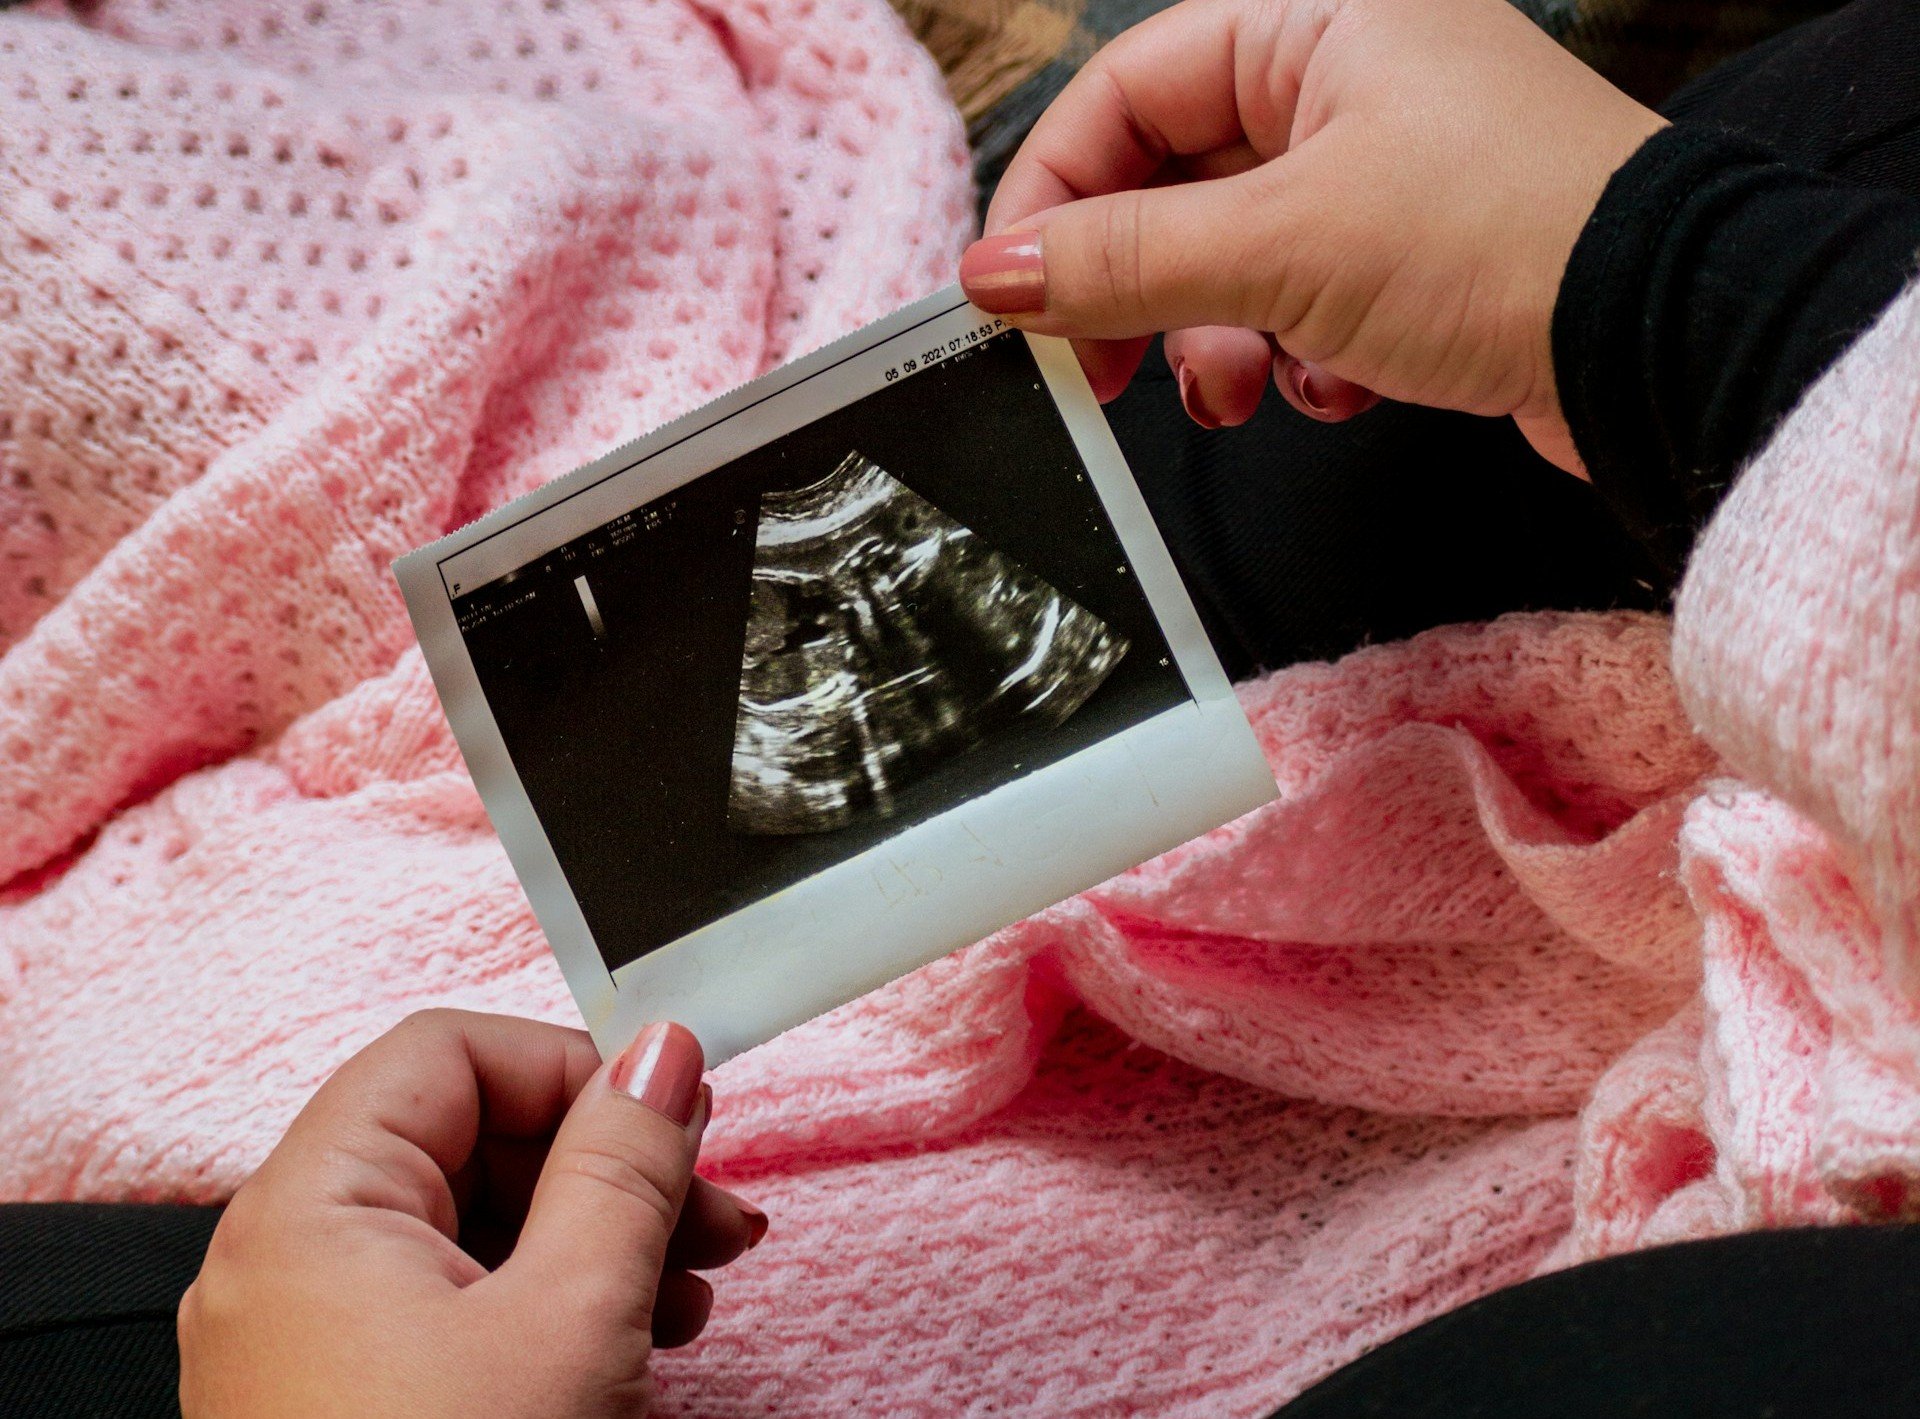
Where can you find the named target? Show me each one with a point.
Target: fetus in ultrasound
(884, 638)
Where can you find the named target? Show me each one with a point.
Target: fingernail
(1004, 274)
(1303, 386)
(662, 1069)
(1191, 399)
(1320, 395)
(756, 1223)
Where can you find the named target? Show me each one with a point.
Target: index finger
(426, 1090)
(1166, 87)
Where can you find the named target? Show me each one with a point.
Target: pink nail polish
(1303, 386)
(662, 1069)
(1190, 397)
(1004, 274)
(1323, 396)
(756, 1223)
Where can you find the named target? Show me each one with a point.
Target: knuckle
(188, 1317)
(1124, 266)
(629, 1173)
(434, 1019)
(592, 1313)
(1286, 278)
(239, 1226)
(218, 1297)
(188, 1325)
(429, 1030)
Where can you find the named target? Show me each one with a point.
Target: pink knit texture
(1544, 951)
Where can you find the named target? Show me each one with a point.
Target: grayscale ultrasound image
(884, 637)
(912, 601)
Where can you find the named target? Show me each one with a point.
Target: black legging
(1305, 540)
(87, 1299)
(1772, 1325)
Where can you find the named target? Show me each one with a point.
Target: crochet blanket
(1568, 934)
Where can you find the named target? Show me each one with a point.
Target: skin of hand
(471, 1218)
(1364, 197)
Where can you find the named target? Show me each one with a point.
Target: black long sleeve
(1712, 285)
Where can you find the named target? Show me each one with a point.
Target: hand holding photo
(831, 677)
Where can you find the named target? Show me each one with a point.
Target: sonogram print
(883, 638)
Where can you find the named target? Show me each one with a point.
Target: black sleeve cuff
(1712, 285)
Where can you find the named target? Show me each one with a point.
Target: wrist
(1711, 286)
(1542, 413)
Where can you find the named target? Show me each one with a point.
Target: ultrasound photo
(858, 625)
(883, 637)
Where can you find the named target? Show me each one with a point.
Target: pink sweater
(1568, 934)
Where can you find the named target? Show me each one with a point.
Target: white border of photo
(939, 884)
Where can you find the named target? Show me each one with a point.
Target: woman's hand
(1390, 189)
(350, 1276)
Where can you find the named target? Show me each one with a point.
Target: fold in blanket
(1545, 950)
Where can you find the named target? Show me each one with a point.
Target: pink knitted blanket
(1547, 950)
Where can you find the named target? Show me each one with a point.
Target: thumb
(1133, 263)
(618, 1171)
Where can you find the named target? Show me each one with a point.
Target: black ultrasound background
(624, 742)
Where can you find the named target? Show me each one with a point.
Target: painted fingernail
(1323, 396)
(1303, 388)
(1004, 274)
(1191, 399)
(756, 1223)
(662, 1069)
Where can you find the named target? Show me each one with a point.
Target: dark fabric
(87, 1301)
(1712, 286)
(1856, 119)
(1781, 1325)
(1652, 47)
(1303, 541)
